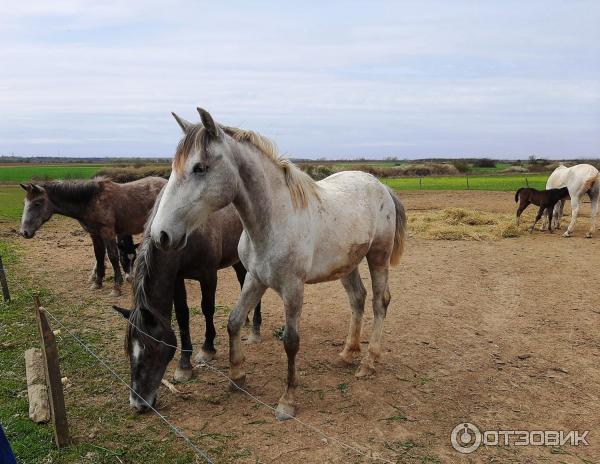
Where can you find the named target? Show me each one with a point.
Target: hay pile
(464, 224)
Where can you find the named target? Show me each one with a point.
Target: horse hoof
(182, 375)
(567, 234)
(285, 412)
(238, 383)
(588, 235)
(115, 292)
(95, 286)
(364, 372)
(342, 361)
(253, 339)
(205, 356)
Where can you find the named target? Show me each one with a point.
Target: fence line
(369, 454)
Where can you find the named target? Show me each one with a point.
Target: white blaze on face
(137, 350)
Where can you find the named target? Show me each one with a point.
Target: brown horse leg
(99, 269)
(549, 213)
(208, 284)
(183, 372)
(113, 255)
(537, 218)
(522, 206)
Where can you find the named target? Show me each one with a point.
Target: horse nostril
(164, 239)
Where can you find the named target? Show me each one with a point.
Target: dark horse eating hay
(104, 209)
(158, 282)
(545, 199)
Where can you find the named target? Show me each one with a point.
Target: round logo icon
(465, 438)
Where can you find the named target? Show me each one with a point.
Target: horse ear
(36, 188)
(185, 125)
(26, 187)
(213, 129)
(124, 312)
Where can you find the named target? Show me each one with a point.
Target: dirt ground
(502, 334)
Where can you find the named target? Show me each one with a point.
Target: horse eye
(200, 168)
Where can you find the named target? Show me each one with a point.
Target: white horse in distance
(579, 179)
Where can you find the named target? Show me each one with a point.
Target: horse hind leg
(356, 295)
(594, 199)
(381, 299)
(574, 212)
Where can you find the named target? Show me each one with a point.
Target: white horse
(579, 179)
(296, 232)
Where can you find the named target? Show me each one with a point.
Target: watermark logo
(466, 438)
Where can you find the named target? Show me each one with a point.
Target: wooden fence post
(468, 188)
(420, 183)
(526, 182)
(53, 379)
(3, 282)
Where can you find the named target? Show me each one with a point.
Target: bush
(461, 166)
(131, 173)
(317, 171)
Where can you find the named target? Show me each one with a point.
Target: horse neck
(155, 279)
(73, 208)
(261, 184)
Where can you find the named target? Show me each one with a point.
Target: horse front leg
(252, 292)
(99, 269)
(240, 272)
(113, 255)
(208, 285)
(537, 218)
(183, 372)
(292, 300)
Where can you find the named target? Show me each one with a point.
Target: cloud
(335, 79)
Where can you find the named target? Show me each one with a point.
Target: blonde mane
(300, 184)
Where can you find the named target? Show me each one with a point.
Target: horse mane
(141, 276)
(74, 191)
(300, 184)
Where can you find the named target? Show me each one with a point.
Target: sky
(332, 79)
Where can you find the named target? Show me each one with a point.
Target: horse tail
(589, 183)
(401, 232)
(517, 194)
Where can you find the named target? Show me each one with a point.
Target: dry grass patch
(464, 224)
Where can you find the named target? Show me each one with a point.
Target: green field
(11, 202)
(25, 173)
(498, 183)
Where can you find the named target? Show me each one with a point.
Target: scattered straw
(465, 224)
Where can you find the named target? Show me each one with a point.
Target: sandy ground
(502, 334)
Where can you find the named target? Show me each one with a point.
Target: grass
(464, 224)
(497, 183)
(103, 428)
(11, 202)
(26, 173)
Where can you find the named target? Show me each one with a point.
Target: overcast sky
(322, 79)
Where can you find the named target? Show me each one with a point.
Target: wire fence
(359, 450)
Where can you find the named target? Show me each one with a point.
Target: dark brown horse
(158, 283)
(545, 199)
(104, 209)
